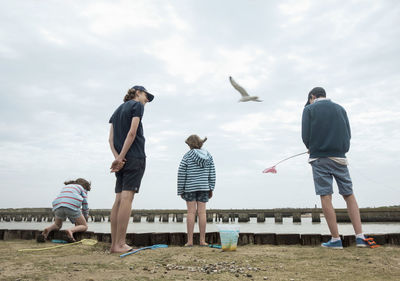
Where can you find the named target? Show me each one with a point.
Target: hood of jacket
(200, 156)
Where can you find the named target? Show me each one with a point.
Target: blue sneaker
(361, 243)
(333, 245)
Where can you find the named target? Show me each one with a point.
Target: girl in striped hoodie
(196, 182)
(71, 203)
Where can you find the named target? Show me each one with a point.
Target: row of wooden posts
(178, 217)
(179, 238)
(217, 215)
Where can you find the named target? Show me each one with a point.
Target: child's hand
(117, 165)
(210, 194)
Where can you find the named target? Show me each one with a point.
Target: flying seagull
(242, 91)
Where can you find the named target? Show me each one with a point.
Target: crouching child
(71, 203)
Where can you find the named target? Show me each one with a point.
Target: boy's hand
(210, 194)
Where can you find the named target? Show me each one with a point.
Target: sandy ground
(255, 262)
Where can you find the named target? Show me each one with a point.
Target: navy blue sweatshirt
(325, 129)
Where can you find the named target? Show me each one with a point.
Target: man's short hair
(317, 92)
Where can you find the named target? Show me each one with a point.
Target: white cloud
(106, 18)
(76, 60)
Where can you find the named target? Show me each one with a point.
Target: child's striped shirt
(73, 196)
(196, 172)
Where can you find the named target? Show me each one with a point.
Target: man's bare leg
(330, 215)
(354, 212)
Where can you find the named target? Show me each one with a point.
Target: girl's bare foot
(45, 233)
(70, 235)
(123, 249)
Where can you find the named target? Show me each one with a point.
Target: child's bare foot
(203, 244)
(45, 233)
(123, 249)
(40, 238)
(70, 236)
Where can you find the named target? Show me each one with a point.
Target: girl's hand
(117, 164)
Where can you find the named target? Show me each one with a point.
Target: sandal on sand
(187, 246)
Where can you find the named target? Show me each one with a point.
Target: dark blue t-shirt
(121, 120)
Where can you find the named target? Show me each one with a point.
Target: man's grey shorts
(324, 170)
(64, 212)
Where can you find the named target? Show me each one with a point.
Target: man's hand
(117, 164)
(210, 194)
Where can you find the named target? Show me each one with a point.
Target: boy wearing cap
(326, 134)
(127, 145)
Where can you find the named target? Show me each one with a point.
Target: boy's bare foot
(70, 236)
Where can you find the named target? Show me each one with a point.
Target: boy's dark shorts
(130, 176)
(200, 196)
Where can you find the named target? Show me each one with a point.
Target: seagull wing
(238, 87)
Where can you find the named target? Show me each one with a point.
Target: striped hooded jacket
(72, 196)
(196, 172)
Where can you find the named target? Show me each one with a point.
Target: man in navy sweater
(326, 134)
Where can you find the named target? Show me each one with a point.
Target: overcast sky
(66, 65)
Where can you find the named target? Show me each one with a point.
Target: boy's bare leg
(191, 214)
(330, 215)
(201, 212)
(124, 213)
(114, 219)
(55, 226)
(80, 226)
(354, 212)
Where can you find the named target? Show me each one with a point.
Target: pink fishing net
(270, 170)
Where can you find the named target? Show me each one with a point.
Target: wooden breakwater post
(316, 216)
(260, 217)
(278, 217)
(243, 218)
(179, 217)
(137, 218)
(150, 218)
(164, 217)
(297, 217)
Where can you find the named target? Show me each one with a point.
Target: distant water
(287, 226)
